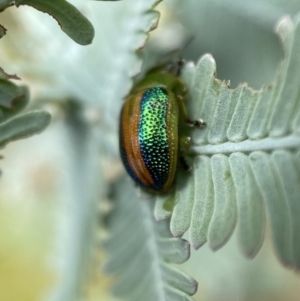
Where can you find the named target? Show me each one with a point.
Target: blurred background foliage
(55, 186)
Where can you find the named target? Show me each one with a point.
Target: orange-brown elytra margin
(130, 122)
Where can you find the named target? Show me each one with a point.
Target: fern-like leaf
(140, 250)
(246, 159)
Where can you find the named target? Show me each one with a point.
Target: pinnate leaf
(141, 250)
(246, 165)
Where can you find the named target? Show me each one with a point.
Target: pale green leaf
(71, 21)
(140, 251)
(276, 205)
(246, 163)
(13, 98)
(23, 126)
(251, 215)
(224, 216)
(204, 201)
(181, 217)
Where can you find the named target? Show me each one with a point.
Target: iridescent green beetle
(149, 142)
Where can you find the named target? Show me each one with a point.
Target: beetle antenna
(180, 64)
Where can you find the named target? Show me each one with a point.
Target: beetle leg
(184, 164)
(180, 64)
(188, 121)
(197, 123)
(184, 144)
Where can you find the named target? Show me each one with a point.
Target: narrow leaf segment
(71, 21)
(138, 243)
(23, 126)
(247, 160)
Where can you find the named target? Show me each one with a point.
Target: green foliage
(69, 18)
(71, 21)
(246, 160)
(23, 126)
(141, 250)
(13, 99)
